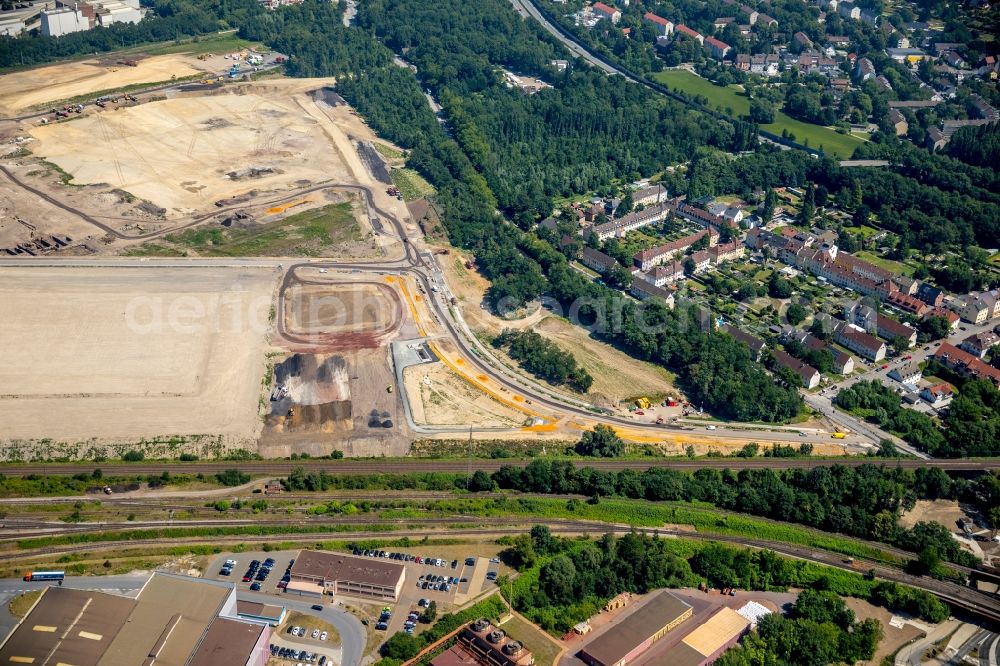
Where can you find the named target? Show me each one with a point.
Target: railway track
(982, 605)
(405, 466)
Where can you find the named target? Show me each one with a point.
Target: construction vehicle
(642, 403)
(390, 388)
(838, 435)
(204, 56)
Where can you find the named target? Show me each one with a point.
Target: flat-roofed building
(67, 627)
(336, 573)
(705, 643)
(257, 612)
(233, 643)
(169, 621)
(632, 637)
(173, 620)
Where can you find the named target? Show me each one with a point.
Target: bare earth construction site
(121, 354)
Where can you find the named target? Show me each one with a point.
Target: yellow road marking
(453, 365)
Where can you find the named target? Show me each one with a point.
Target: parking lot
(267, 586)
(427, 580)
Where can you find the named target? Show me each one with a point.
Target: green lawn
(223, 42)
(865, 231)
(839, 145)
(887, 264)
(304, 234)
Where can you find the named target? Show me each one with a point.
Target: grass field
(887, 264)
(387, 152)
(865, 231)
(225, 42)
(839, 145)
(302, 234)
(411, 184)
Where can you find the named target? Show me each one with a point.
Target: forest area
(564, 581)
(970, 428)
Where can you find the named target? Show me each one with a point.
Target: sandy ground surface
(341, 308)
(439, 397)
(21, 90)
(895, 637)
(184, 154)
(129, 353)
(617, 375)
(944, 512)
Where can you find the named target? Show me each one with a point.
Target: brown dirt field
(178, 153)
(438, 397)
(121, 354)
(21, 90)
(338, 308)
(894, 638)
(944, 512)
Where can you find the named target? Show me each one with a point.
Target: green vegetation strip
(815, 136)
(639, 513)
(303, 234)
(194, 532)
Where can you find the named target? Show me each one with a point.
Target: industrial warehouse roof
(721, 628)
(258, 609)
(170, 618)
(67, 627)
(340, 567)
(227, 642)
(612, 646)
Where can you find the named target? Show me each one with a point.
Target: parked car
(255, 587)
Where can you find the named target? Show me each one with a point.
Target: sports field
(839, 145)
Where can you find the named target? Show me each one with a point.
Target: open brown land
(186, 153)
(20, 91)
(121, 354)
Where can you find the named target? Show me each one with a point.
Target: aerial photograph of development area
(499, 332)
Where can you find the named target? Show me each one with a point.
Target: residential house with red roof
(663, 27)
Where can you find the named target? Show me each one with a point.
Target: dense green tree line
(979, 146)
(564, 582)
(544, 358)
(971, 426)
(820, 630)
(865, 501)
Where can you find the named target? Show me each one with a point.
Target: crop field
(126, 353)
(839, 145)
